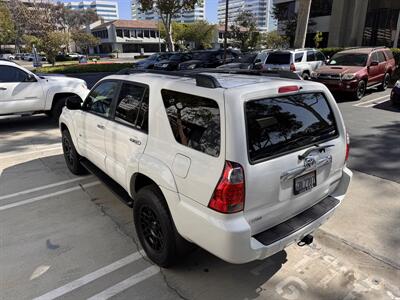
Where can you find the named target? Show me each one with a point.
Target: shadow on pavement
(378, 154)
(31, 123)
(387, 105)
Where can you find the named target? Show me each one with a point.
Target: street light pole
(226, 28)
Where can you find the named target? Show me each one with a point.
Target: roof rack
(205, 79)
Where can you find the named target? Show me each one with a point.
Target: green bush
(84, 68)
(65, 58)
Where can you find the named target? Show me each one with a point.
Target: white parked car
(23, 92)
(241, 165)
(300, 61)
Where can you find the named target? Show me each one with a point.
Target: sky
(211, 10)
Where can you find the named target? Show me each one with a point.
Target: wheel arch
(59, 96)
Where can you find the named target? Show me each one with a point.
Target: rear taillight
(347, 147)
(229, 194)
(292, 67)
(288, 89)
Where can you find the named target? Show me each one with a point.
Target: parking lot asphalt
(68, 237)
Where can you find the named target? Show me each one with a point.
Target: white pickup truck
(24, 93)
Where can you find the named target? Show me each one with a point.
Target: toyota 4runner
(355, 70)
(241, 165)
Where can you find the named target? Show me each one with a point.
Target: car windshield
(248, 58)
(176, 57)
(278, 59)
(202, 55)
(349, 59)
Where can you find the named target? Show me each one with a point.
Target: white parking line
(125, 284)
(376, 103)
(23, 202)
(73, 285)
(31, 152)
(44, 187)
(362, 103)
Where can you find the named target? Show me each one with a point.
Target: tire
(71, 156)
(360, 92)
(57, 108)
(305, 76)
(155, 228)
(385, 83)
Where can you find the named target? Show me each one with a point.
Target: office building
(261, 10)
(197, 14)
(107, 10)
(346, 23)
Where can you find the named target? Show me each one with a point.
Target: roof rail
(204, 77)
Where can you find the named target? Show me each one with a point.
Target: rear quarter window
(280, 125)
(194, 120)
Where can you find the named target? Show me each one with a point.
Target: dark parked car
(209, 59)
(395, 94)
(148, 63)
(246, 61)
(355, 70)
(173, 61)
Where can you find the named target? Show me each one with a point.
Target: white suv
(300, 61)
(23, 92)
(241, 165)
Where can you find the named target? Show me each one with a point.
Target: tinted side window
(320, 56)
(195, 121)
(131, 101)
(99, 99)
(284, 124)
(381, 57)
(374, 57)
(298, 57)
(11, 74)
(310, 56)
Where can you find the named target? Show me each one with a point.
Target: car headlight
(314, 75)
(191, 67)
(348, 76)
(397, 84)
(164, 65)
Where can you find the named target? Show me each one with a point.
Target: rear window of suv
(278, 59)
(280, 125)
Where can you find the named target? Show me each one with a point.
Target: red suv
(355, 70)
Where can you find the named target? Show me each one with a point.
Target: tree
(244, 31)
(200, 33)
(273, 40)
(287, 20)
(7, 31)
(318, 38)
(84, 40)
(167, 9)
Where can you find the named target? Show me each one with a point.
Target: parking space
(69, 237)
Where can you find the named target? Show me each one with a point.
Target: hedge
(84, 68)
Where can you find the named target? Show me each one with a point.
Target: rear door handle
(136, 141)
(100, 126)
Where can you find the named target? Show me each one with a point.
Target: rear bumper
(339, 85)
(229, 236)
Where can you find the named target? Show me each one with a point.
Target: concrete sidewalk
(369, 218)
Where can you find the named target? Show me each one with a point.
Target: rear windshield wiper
(319, 148)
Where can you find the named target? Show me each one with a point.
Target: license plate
(305, 182)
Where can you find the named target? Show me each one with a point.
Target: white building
(184, 17)
(261, 9)
(128, 37)
(108, 10)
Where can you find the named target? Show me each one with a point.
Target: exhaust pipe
(307, 240)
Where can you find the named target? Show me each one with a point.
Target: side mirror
(73, 102)
(30, 78)
(374, 63)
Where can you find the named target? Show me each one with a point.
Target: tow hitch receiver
(307, 240)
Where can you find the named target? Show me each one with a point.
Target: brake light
(229, 193)
(292, 67)
(288, 89)
(347, 147)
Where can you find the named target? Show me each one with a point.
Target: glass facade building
(261, 10)
(184, 17)
(108, 10)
